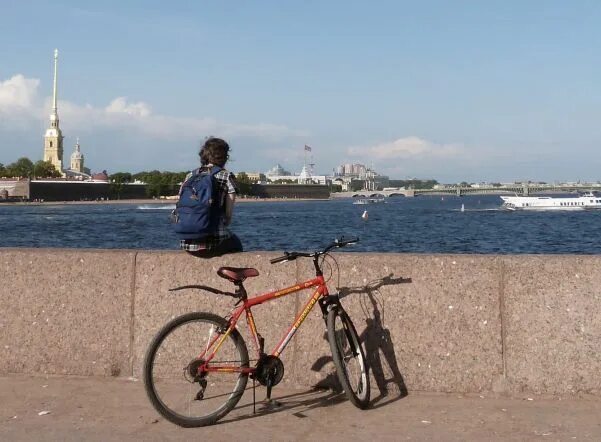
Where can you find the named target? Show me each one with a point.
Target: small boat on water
(588, 201)
(362, 201)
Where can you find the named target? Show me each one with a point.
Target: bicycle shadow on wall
(379, 348)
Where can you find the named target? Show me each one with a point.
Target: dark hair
(214, 151)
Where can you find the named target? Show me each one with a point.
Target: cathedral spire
(53, 139)
(54, 107)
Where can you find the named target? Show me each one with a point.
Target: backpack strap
(214, 171)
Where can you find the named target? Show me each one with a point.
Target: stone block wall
(441, 323)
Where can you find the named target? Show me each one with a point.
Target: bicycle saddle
(237, 274)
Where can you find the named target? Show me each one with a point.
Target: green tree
(242, 178)
(357, 185)
(161, 183)
(121, 177)
(413, 184)
(117, 183)
(23, 167)
(243, 183)
(262, 178)
(45, 169)
(2, 170)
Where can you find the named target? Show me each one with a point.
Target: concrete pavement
(116, 409)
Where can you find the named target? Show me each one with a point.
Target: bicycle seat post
(240, 291)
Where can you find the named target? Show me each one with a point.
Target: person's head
(214, 151)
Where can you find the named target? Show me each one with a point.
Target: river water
(425, 224)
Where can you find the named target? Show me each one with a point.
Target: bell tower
(53, 139)
(77, 158)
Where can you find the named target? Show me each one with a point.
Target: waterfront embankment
(438, 323)
(146, 201)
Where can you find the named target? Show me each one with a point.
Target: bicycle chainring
(269, 370)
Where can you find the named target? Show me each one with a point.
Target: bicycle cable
(331, 268)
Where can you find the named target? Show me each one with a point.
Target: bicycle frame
(215, 343)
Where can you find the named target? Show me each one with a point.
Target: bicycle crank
(269, 371)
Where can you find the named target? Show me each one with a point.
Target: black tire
(349, 357)
(166, 362)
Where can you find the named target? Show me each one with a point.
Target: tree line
(157, 183)
(25, 168)
(413, 184)
(167, 183)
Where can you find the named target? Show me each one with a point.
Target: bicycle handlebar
(290, 256)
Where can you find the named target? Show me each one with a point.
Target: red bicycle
(197, 366)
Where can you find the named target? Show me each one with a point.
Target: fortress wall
(454, 323)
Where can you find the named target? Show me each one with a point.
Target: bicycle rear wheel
(172, 380)
(349, 357)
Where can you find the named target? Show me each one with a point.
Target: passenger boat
(588, 201)
(369, 201)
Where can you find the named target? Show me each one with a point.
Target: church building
(53, 139)
(77, 159)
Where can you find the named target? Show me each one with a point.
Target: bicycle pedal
(271, 404)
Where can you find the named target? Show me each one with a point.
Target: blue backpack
(197, 212)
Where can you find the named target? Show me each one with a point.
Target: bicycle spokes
(204, 389)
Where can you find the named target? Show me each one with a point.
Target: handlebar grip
(280, 259)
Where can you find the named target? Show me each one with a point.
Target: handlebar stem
(318, 271)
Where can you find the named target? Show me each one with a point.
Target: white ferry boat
(587, 201)
(362, 201)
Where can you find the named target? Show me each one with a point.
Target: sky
(463, 90)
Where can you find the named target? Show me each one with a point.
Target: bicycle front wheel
(176, 387)
(349, 357)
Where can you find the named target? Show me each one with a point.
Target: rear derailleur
(193, 374)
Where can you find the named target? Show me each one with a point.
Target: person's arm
(230, 199)
(229, 208)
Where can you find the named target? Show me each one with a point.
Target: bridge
(523, 190)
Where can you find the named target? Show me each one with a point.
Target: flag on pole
(307, 148)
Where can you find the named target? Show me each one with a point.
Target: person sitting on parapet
(206, 204)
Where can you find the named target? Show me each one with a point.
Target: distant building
(278, 173)
(253, 176)
(345, 174)
(77, 171)
(305, 176)
(351, 170)
(101, 176)
(278, 170)
(53, 139)
(77, 159)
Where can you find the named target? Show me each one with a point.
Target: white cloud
(137, 117)
(18, 99)
(121, 106)
(18, 93)
(407, 148)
